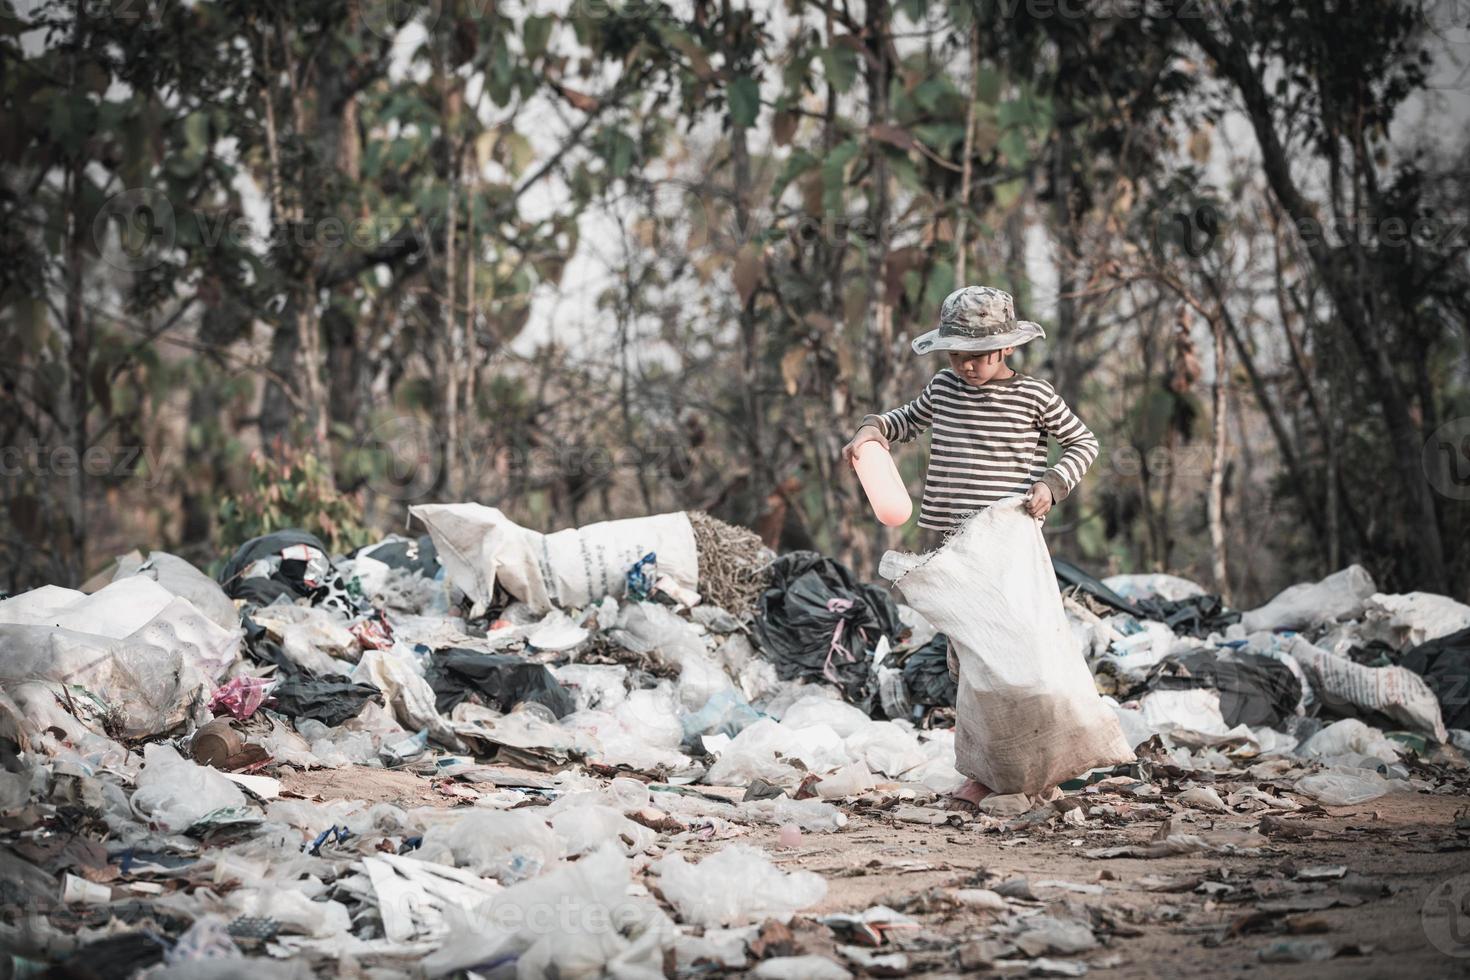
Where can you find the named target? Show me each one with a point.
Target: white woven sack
(1027, 714)
(566, 569)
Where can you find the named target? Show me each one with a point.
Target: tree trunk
(79, 348)
(1217, 465)
(471, 347)
(967, 168)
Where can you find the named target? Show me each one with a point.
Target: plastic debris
(176, 793)
(799, 968)
(240, 696)
(816, 622)
(593, 744)
(500, 681)
(735, 884)
(1340, 595)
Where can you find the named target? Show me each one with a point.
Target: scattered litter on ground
(653, 745)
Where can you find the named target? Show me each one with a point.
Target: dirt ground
(1397, 850)
(1406, 842)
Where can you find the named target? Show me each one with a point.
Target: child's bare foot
(968, 796)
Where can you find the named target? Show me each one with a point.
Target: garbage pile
(597, 717)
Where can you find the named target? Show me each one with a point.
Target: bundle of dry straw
(733, 564)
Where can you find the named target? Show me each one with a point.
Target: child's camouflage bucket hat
(978, 318)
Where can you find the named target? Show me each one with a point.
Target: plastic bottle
(887, 495)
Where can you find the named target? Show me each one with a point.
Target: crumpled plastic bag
(1028, 715)
(1350, 736)
(293, 910)
(336, 747)
(886, 747)
(577, 921)
(406, 692)
(727, 713)
(817, 709)
(1444, 663)
(608, 740)
(586, 827)
(652, 714)
(1413, 618)
(131, 651)
(647, 627)
(735, 884)
(240, 696)
(312, 637)
(509, 845)
(761, 751)
(1338, 596)
(500, 681)
(1344, 787)
(176, 793)
(600, 686)
(183, 580)
(1156, 585)
(812, 816)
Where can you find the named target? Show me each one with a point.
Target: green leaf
(1007, 192)
(1013, 148)
(940, 284)
(797, 164)
(196, 132)
(841, 65)
(500, 74)
(794, 73)
(987, 86)
(517, 152)
(904, 171)
(745, 101)
(834, 175)
(941, 137)
(536, 33)
(618, 149)
(931, 92)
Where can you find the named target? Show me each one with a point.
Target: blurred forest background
(269, 262)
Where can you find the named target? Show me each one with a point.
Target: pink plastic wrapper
(373, 632)
(241, 696)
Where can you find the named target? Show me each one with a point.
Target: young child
(989, 424)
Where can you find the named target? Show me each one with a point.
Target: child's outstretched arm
(1079, 450)
(897, 425)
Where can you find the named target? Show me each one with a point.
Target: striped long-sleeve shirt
(988, 442)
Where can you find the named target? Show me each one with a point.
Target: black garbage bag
(1374, 653)
(926, 675)
(289, 562)
(501, 680)
(398, 552)
(330, 699)
(291, 574)
(1444, 663)
(1069, 574)
(1198, 615)
(1254, 690)
(815, 622)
